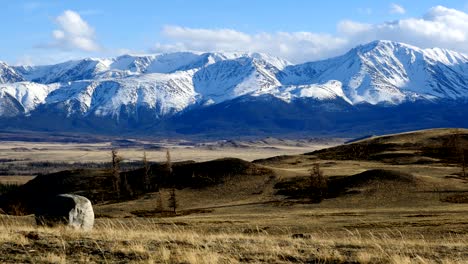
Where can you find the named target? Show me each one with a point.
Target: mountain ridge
(145, 90)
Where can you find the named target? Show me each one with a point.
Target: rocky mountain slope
(131, 92)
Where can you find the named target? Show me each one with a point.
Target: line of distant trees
(123, 189)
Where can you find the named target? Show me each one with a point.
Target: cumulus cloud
(348, 27)
(73, 33)
(438, 27)
(296, 46)
(397, 9)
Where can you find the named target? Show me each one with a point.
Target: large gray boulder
(66, 209)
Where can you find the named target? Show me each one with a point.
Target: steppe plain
(418, 215)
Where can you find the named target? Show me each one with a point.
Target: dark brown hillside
(97, 185)
(298, 188)
(420, 147)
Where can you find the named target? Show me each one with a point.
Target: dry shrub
(17, 208)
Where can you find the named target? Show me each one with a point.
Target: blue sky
(40, 32)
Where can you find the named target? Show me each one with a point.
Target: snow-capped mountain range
(162, 85)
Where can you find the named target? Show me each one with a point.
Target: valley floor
(270, 234)
(24, 158)
(405, 219)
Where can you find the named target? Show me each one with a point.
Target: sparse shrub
(456, 198)
(359, 151)
(16, 208)
(318, 184)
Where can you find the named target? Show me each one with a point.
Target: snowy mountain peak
(8, 74)
(385, 44)
(390, 72)
(382, 47)
(157, 85)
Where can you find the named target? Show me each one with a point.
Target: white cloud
(25, 60)
(39, 57)
(348, 27)
(296, 46)
(397, 9)
(439, 27)
(73, 33)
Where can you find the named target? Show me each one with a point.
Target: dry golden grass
(243, 220)
(417, 136)
(189, 241)
(18, 180)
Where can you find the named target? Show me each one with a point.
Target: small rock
(32, 235)
(302, 236)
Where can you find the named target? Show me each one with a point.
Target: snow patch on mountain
(385, 71)
(9, 74)
(158, 85)
(229, 79)
(28, 94)
(328, 91)
(161, 93)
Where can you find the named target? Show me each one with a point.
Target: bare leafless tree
(146, 173)
(318, 184)
(127, 187)
(116, 159)
(168, 162)
(159, 202)
(172, 201)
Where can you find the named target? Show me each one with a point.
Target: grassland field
(245, 220)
